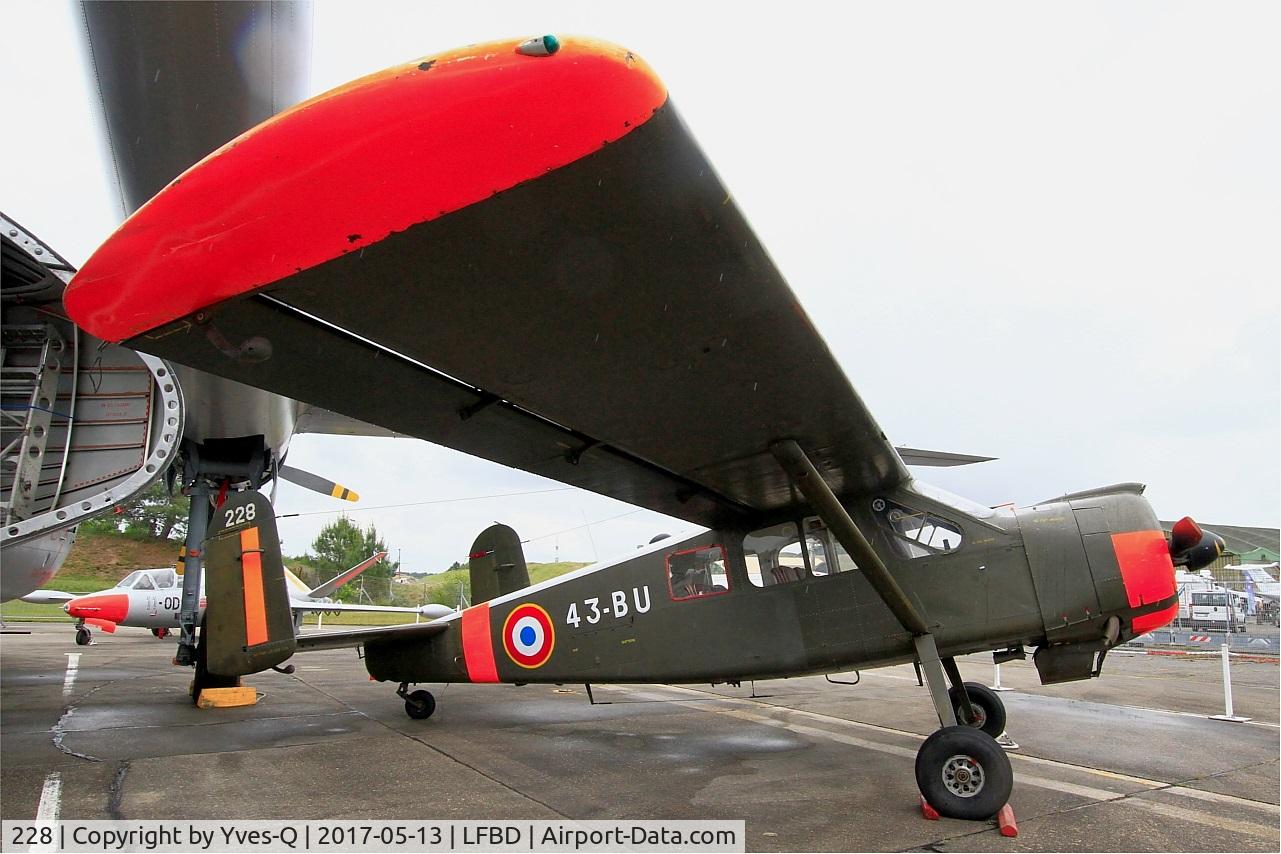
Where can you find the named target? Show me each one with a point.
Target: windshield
(129, 579)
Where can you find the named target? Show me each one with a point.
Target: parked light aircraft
(151, 599)
(547, 185)
(1265, 586)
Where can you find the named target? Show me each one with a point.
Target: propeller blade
(316, 483)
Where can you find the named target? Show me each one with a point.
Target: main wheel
(83, 637)
(420, 705)
(964, 773)
(161, 632)
(989, 711)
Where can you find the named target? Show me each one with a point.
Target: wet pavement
(1129, 762)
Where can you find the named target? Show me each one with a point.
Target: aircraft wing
(360, 637)
(523, 257)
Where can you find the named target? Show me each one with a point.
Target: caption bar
(396, 836)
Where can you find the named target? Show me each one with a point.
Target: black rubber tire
(420, 705)
(974, 752)
(83, 636)
(986, 702)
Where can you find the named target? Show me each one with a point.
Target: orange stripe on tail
(255, 596)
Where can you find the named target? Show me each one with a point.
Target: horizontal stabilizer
(328, 588)
(938, 459)
(360, 637)
(316, 483)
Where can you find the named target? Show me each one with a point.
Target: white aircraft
(1265, 586)
(152, 599)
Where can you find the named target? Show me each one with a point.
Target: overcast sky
(1044, 233)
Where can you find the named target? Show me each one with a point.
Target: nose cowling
(1193, 547)
(111, 607)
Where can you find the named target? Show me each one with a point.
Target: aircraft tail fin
(328, 588)
(248, 623)
(497, 564)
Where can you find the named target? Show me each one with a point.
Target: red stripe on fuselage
(351, 166)
(1148, 575)
(478, 644)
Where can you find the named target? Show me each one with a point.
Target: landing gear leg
(193, 564)
(961, 771)
(419, 705)
(83, 636)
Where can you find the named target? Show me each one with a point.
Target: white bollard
(1227, 691)
(996, 683)
(320, 619)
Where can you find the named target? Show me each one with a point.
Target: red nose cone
(112, 607)
(1186, 534)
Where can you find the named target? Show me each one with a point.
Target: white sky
(1045, 233)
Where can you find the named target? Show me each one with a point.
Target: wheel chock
(1005, 821)
(928, 812)
(226, 698)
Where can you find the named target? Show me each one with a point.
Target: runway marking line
(1145, 786)
(69, 681)
(50, 806)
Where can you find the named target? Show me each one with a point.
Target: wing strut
(811, 484)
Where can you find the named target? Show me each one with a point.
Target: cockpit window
(129, 579)
(916, 533)
(165, 578)
(144, 583)
(695, 573)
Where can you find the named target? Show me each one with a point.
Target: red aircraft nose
(1148, 574)
(112, 607)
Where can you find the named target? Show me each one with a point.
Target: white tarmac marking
(50, 798)
(50, 808)
(1118, 705)
(69, 681)
(1088, 792)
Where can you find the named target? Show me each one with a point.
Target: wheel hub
(963, 776)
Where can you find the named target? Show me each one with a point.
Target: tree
(341, 545)
(154, 515)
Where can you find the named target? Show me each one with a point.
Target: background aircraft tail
(497, 564)
(327, 589)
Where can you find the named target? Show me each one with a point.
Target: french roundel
(528, 636)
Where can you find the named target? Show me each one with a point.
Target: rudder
(497, 564)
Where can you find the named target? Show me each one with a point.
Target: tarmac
(1128, 762)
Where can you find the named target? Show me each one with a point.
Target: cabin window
(774, 555)
(827, 556)
(697, 573)
(916, 533)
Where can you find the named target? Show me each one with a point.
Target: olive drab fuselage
(1046, 576)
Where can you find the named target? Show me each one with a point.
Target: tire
(83, 637)
(987, 705)
(420, 705)
(963, 773)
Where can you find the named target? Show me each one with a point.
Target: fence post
(1227, 690)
